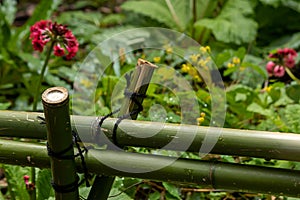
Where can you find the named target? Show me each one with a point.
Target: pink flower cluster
(29, 186)
(45, 31)
(279, 60)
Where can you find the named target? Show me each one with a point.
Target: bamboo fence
(56, 125)
(260, 144)
(216, 175)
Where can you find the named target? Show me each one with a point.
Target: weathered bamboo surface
(216, 175)
(261, 144)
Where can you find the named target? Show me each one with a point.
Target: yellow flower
(205, 49)
(268, 89)
(193, 72)
(230, 65)
(197, 78)
(194, 57)
(185, 68)
(200, 120)
(169, 50)
(156, 59)
(202, 114)
(236, 60)
(203, 62)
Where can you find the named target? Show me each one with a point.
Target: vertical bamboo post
(60, 143)
(138, 84)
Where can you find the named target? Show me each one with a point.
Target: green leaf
(161, 11)
(274, 3)
(55, 81)
(233, 25)
(9, 8)
(16, 185)
(43, 184)
(254, 107)
(292, 117)
(5, 32)
(154, 196)
(293, 92)
(230, 71)
(172, 189)
(293, 4)
(4, 106)
(275, 94)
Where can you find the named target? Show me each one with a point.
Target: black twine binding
(133, 96)
(60, 155)
(80, 153)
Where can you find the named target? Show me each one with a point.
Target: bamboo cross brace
(208, 174)
(138, 84)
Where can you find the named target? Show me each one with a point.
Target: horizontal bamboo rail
(260, 144)
(207, 174)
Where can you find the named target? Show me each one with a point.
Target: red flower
(279, 71)
(58, 51)
(270, 67)
(289, 61)
(282, 58)
(46, 31)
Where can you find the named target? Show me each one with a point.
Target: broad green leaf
(292, 117)
(274, 3)
(4, 106)
(275, 94)
(43, 184)
(257, 68)
(1, 196)
(293, 92)
(233, 25)
(14, 175)
(293, 4)
(154, 196)
(116, 194)
(254, 107)
(155, 10)
(172, 189)
(229, 71)
(55, 81)
(67, 73)
(205, 8)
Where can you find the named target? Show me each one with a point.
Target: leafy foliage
(235, 29)
(234, 23)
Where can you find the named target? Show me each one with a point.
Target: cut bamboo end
(141, 62)
(55, 96)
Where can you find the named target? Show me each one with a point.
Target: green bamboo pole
(217, 175)
(59, 136)
(261, 144)
(138, 84)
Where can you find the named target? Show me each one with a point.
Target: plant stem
(39, 83)
(292, 75)
(34, 108)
